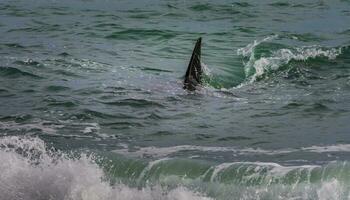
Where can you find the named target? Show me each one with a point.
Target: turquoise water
(92, 105)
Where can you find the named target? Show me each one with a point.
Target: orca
(193, 76)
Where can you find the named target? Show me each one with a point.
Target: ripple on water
(56, 88)
(135, 34)
(12, 72)
(137, 103)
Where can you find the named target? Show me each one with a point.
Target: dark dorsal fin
(193, 75)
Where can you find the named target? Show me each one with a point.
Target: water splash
(30, 170)
(256, 67)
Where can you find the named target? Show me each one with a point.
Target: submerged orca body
(194, 71)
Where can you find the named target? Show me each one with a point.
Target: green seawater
(92, 105)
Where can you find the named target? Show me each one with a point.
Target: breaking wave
(32, 170)
(257, 64)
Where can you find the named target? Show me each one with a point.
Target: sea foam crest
(256, 67)
(29, 170)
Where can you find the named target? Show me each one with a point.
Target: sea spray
(31, 170)
(257, 67)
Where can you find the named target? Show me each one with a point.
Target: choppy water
(92, 105)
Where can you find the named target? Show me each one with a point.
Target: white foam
(30, 171)
(281, 57)
(330, 148)
(249, 49)
(330, 190)
(161, 152)
(158, 152)
(44, 126)
(275, 169)
(91, 127)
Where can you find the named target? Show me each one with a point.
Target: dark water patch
(201, 7)
(317, 107)
(109, 16)
(17, 118)
(292, 105)
(142, 34)
(54, 7)
(260, 143)
(62, 13)
(23, 13)
(234, 138)
(345, 51)
(203, 136)
(345, 32)
(56, 88)
(66, 104)
(121, 125)
(169, 5)
(154, 69)
(216, 9)
(66, 73)
(64, 54)
(226, 93)
(6, 93)
(247, 29)
(280, 4)
(137, 103)
(154, 116)
(242, 4)
(227, 33)
(3, 90)
(107, 25)
(299, 5)
(203, 126)
(12, 72)
(29, 91)
(14, 45)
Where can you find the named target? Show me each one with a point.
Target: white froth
(29, 170)
(44, 126)
(330, 148)
(280, 57)
(35, 173)
(161, 152)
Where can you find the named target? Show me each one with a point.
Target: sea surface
(92, 105)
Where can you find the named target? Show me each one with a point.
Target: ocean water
(92, 105)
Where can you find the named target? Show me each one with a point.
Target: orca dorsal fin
(193, 75)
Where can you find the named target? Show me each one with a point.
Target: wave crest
(31, 170)
(257, 66)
